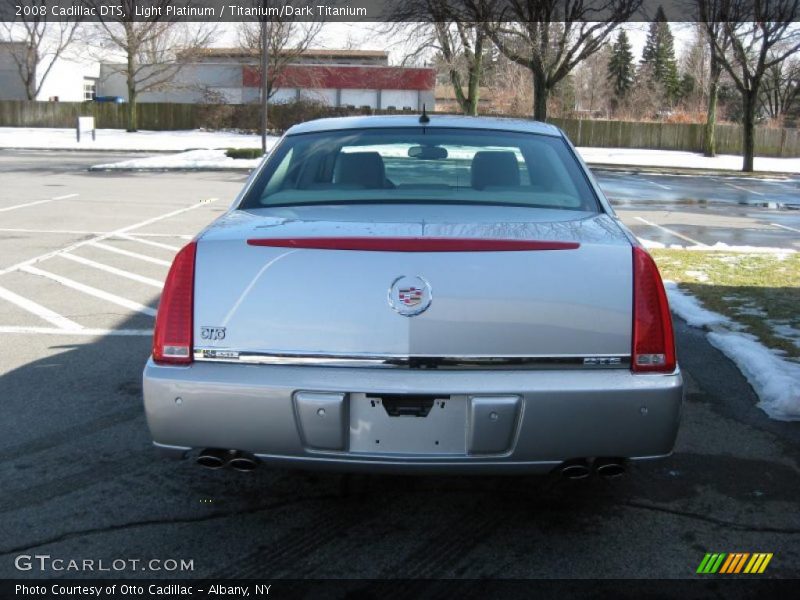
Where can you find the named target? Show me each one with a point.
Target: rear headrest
(361, 168)
(495, 168)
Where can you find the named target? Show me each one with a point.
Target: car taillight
(653, 342)
(172, 339)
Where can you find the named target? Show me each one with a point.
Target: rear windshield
(420, 165)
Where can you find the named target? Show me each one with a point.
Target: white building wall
(326, 96)
(65, 80)
(360, 98)
(282, 95)
(191, 84)
(400, 98)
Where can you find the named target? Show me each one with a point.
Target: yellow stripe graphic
(765, 563)
(753, 564)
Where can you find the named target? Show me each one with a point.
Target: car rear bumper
(489, 421)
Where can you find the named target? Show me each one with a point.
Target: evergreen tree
(659, 54)
(621, 69)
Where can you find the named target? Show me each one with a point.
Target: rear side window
(423, 165)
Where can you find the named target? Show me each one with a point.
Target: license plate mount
(411, 424)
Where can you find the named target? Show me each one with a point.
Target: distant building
(232, 76)
(69, 80)
(336, 77)
(11, 86)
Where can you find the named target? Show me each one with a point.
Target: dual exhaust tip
(607, 468)
(217, 458)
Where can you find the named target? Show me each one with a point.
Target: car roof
(451, 121)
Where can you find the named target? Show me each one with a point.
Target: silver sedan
(416, 294)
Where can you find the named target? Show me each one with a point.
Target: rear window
(422, 165)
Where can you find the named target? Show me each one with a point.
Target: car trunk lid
(570, 297)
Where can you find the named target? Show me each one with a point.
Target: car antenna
(424, 118)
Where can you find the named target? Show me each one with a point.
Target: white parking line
(665, 187)
(71, 247)
(16, 206)
(27, 204)
(83, 331)
(40, 311)
(109, 269)
(150, 259)
(149, 242)
(92, 291)
(670, 231)
(182, 236)
(785, 227)
(744, 189)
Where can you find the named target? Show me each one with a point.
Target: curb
(634, 169)
(98, 150)
(98, 169)
(655, 170)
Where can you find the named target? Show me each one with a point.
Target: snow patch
(193, 159)
(684, 160)
(782, 329)
(723, 247)
(688, 308)
(781, 253)
(118, 139)
(698, 275)
(775, 381)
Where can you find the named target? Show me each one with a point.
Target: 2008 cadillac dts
(416, 294)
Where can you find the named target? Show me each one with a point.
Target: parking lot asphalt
(82, 256)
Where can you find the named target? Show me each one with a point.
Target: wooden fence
(591, 133)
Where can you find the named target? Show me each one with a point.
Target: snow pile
(688, 308)
(776, 381)
(193, 159)
(118, 139)
(683, 160)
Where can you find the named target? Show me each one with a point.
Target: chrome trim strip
(596, 361)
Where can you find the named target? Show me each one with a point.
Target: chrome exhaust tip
(610, 468)
(575, 469)
(212, 458)
(243, 463)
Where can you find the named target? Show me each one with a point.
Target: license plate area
(408, 424)
(408, 405)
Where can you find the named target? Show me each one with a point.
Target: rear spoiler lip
(413, 244)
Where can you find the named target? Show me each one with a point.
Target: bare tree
(718, 45)
(154, 51)
(551, 37)
(276, 44)
(286, 42)
(510, 85)
(41, 42)
(781, 88)
(593, 88)
(761, 35)
(460, 44)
